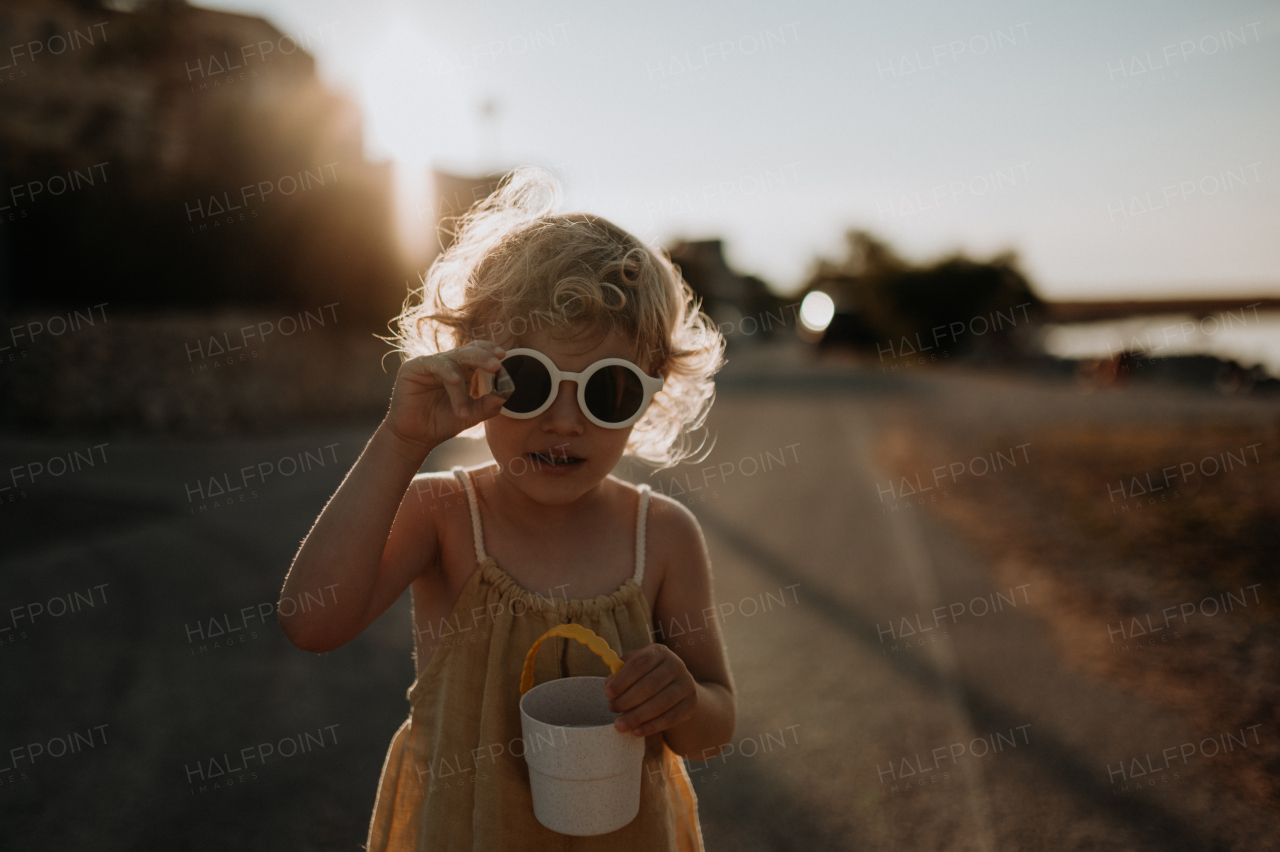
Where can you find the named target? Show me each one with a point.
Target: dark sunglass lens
(614, 393)
(533, 383)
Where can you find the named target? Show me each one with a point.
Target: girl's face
(560, 455)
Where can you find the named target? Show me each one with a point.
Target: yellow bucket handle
(569, 631)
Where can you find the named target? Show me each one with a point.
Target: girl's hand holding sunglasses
(438, 396)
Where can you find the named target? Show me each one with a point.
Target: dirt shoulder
(1155, 540)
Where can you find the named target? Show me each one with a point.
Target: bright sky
(1123, 149)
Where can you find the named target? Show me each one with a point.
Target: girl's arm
(681, 684)
(353, 549)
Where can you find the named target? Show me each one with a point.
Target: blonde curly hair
(514, 265)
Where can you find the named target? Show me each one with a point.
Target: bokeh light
(816, 311)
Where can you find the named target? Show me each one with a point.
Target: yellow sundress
(455, 777)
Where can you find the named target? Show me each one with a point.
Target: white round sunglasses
(612, 392)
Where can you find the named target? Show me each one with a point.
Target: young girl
(572, 343)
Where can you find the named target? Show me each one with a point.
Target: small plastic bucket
(585, 775)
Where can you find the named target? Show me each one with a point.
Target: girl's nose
(564, 417)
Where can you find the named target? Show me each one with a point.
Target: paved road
(978, 738)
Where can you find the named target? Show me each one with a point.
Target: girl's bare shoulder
(673, 524)
(435, 508)
(676, 554)
(439, 482)
(672, 531)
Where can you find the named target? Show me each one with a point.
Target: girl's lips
(554, 463)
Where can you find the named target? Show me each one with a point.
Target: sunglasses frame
(650, 384)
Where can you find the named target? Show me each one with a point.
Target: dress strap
(477, 532)
(641, 526)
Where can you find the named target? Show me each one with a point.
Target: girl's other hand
(432, 399)
(653, 691)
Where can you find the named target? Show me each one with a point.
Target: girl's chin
(554, 489)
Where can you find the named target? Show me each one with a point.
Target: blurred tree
(887, 298)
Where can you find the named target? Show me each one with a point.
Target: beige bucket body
(585, 775)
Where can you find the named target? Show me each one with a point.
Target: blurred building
(743, 305)
(224, 171)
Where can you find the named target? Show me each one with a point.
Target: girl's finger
(636, 664)
(653, 682)
(490, 346)
(419, 366)
(481, 409)
(477, 357)
(478, 410)
(459, 396)
(659, 713)
(434, 369)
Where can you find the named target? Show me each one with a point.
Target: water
(1248, 336)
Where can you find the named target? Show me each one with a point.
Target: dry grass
(1054, 523)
